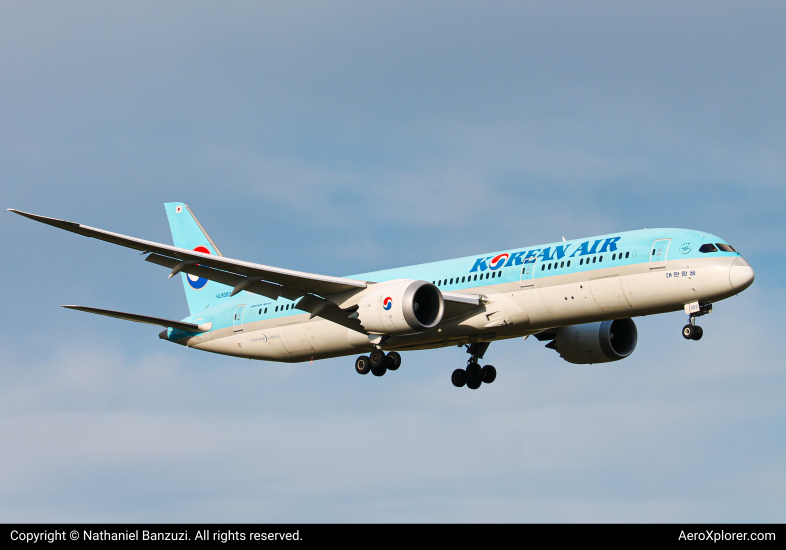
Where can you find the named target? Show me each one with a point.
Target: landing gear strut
(473, 376)
(377, 362)
(692, 331)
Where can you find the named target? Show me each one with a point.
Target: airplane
(579, 296)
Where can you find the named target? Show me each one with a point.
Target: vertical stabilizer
(188, 233)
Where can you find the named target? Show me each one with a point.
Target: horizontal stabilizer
(188, 327)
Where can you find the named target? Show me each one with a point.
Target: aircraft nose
(741, 274)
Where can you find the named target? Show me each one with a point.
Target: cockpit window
(708, 248)
(725, 247)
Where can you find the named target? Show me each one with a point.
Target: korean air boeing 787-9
(578, 295)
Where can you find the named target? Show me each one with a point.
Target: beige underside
(512, 311)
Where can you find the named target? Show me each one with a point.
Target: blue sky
(347, 137)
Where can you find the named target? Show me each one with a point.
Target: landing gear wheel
(489, 374)
(379, 372)
(459, 378)
(362, 365)
(474, 372)
(377, 358)
(689, 332)
(474, 384)
(699, 333)
(393, 361)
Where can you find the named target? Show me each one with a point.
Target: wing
(260, 279)
(189, 327)
(268, 281)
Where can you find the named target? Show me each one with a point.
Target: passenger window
(707, 248)
(725, 247)
(627, 254)
(522, 270)
(600, 258)
(451, 280)
(568, 263)
(653, 252)
(476, 277)
(613, 256)
(581, 261)
(543, 267)
(265, 310)
(549, 268)
(260, 311)
(488, 275)
(594, 259)
(562, 265)
(276, 308)
(462, 279)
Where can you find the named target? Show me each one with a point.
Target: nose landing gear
(692, 331)
(473, 376)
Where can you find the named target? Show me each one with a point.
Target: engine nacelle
(596, 342)
(402, 306)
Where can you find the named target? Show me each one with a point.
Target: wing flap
(269, 290)
(188, 327)
(319, 307)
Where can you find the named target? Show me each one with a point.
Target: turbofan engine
(594, 342)
(401, 307)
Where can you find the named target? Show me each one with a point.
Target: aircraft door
(527, 274)
(237, 320)
(658, 254)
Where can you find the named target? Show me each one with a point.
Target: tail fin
(188, 233)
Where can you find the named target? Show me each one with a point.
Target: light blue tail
(188, 233)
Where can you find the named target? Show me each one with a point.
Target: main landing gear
(692, 331)
(473, 376)
(377, 362)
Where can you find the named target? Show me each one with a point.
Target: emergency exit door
(237, 321)
(658, 254)
(527, 276)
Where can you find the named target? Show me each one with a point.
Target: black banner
(250, 534)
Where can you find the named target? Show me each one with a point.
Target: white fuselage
(510, 309)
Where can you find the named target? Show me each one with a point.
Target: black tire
(377, 358)
(393, 360)
(459, 378)
(379, 372)
(699, 333)
(475, 384)
(688, 332)
(362, 365)
(489, 374)
(474, 372)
